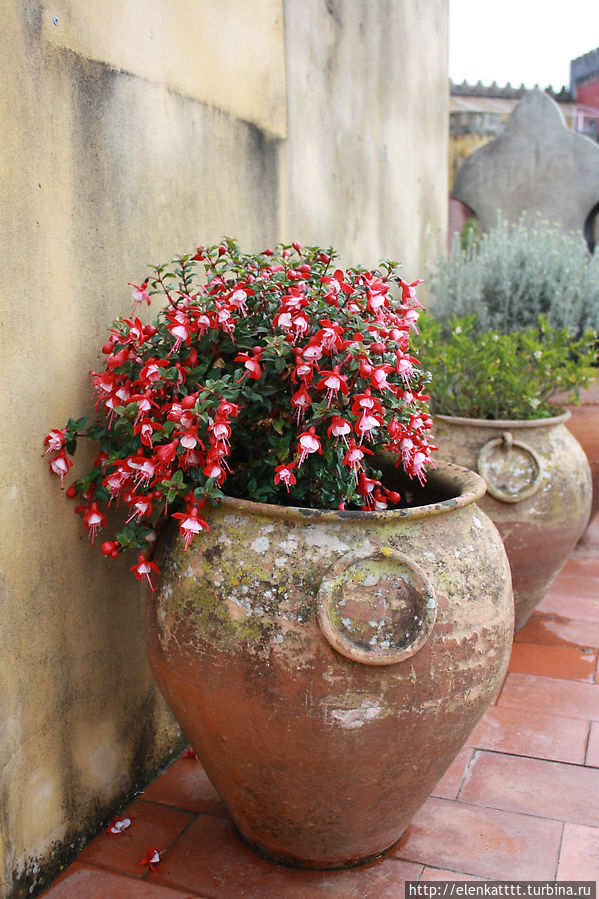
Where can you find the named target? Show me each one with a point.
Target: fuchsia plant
(275, 373)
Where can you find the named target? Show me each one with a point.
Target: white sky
(529, 41)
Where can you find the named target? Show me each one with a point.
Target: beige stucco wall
(104, 168)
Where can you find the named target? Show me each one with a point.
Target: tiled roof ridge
(507, 92)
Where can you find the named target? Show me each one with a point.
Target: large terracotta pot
(538, 493)
(327, 666)
(584, 425)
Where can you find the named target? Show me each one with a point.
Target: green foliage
(514, 273)
(501, 376)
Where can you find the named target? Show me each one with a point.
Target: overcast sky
(529, 41)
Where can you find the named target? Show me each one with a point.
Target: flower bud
(111, 548)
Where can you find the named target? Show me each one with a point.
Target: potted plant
(491, 396)
(298, 626)
(509, 276)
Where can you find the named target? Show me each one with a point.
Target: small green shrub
(501, 376)
(514, 273)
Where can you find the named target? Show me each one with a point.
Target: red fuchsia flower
(145, 429)
(411, 317)
(118, 825)
(378, 376)
(365, 488)
(190, 439)
(227, 409)
(283, 320)
(215, 469)
(104, 384)
(116, 481)
(191, 524)
(238, 299)
(191, 459)
(330, 335)
(223, 318)
(139, 294)
(308, 443)
(295, 300)
(202, 321)
(313, 351)
(150, 859)
(93, 519)
(300, 401)
(55, 440)
(377, 297)
(354, 455)
(303, 370)
(220, 431)
(408, 294)
(333, 382)
(151, 372)
(334, 286)
(145, 469)
(405, 366)
(366, 424)
(379, 501)
(143, 568)
(132, 333)
(416, 466)
(300, 324)
(119, 358)
(339, 427)
(167, 452)
(284, 475)
(365, 402)
(180, 328)
(141, 506)
(144, 404)
(250, 363)
(60, 465)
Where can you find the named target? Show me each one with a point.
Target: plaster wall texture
(106, 166)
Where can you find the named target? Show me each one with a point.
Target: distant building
(584, 87)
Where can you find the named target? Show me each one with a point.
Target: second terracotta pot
(584, 425)
(538, 493)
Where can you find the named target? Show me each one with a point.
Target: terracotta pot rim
(469, 486)
(500, 424)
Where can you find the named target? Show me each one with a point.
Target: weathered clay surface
(584, 425)
(540, 531)
(322, 760)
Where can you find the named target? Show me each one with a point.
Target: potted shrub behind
(330, 631)
(490, 396)
(509, 276)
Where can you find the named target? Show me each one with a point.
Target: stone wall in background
(124, 140)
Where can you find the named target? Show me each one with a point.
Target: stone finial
(537, 165)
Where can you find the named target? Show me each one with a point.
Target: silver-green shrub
(514, 273)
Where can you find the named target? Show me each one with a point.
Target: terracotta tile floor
(520, 802)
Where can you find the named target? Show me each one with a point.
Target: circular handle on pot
(512, 469)
(376, 606)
